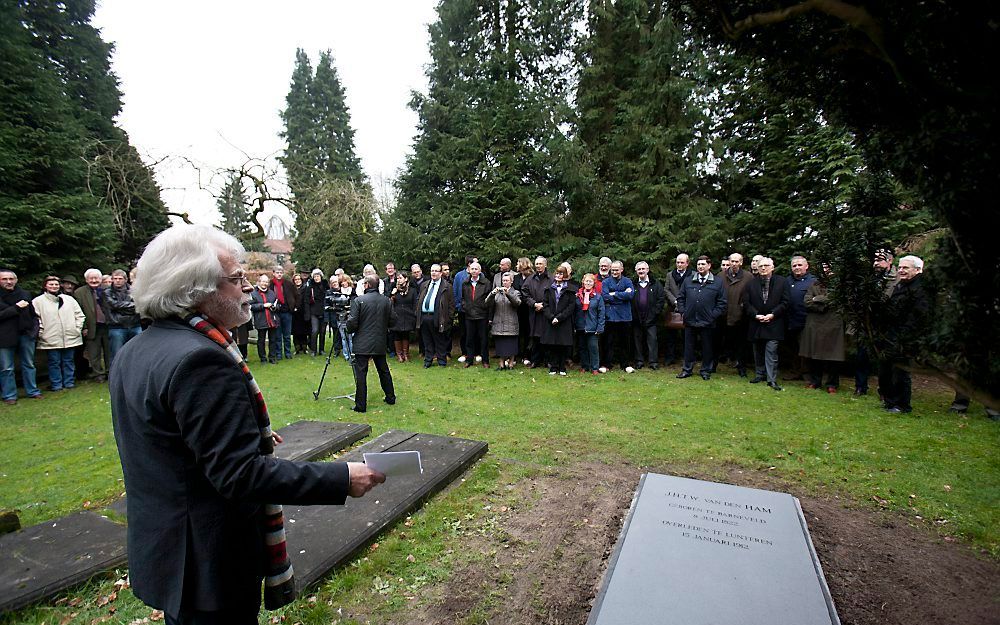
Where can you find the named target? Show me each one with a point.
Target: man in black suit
(196, 446)
(435, 306)
(369, 321)
(766, 303)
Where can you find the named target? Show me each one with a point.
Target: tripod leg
(322, 377)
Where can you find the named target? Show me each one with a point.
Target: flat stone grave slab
(323, 537)
(694, 552)
(43, 559)
(303, 441)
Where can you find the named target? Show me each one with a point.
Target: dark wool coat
(701, 305)
(190, 447)
(89, 299)
(823, 336)
(776, 304)
(370, 318)
(564, 310)
(533, 292)
(260, 314)
(289, 291)
(657, 297)
(15, 321)
(475, 308)
(405, 307)
(312, 294)
(444, 305)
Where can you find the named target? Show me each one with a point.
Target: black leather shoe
(858, 392)
(683, 374)
(356, 409)
(391, 402)
(427, 364)
(775, 386)
(706, 376)
(742, 372)
(654, 366)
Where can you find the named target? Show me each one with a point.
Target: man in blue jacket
(617, 291)
(702, 301)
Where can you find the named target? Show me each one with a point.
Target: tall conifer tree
(484, 174)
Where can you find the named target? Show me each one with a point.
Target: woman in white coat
(60, 332)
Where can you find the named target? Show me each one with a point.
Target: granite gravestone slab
(694, 553)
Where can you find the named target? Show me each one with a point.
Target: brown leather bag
(675, 321)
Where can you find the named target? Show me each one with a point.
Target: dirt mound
(544, 562)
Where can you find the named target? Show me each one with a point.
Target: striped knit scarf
(279, 582)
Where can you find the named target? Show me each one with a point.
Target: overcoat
(191, 452)
(823, 336)
(504, 307)
(564, 310)
(776, 304)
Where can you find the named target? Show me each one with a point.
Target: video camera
(338, 303)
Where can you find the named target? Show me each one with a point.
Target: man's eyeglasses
(237, 278)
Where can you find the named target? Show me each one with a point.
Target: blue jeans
(118, 337)
(283, 336)
(26, 352)
(589, 351)
(62, 369)
(346, 341)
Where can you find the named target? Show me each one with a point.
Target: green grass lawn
(58, 455)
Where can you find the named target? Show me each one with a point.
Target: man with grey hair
(196, 445)
(505, 265)
(96, 347)
(765, 302)
(646, 307)
(906, 316)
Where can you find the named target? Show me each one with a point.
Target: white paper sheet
(395, 462)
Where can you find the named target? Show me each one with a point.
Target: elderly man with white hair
(95, 330)
(907, 309)
(196, 445)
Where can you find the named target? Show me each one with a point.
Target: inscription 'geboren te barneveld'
(696, 552)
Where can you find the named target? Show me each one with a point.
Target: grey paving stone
(694, 552)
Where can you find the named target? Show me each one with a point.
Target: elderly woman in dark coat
(504, 302)
(822, 340)
(559, 312)
(404, 303)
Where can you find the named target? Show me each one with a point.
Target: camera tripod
(354, 373)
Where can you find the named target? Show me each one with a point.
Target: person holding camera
(503, 303)
(404, 303)
(265, 318)
(338, 305)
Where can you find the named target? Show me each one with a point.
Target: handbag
(675, 321)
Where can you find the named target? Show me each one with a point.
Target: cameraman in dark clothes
(369, 320)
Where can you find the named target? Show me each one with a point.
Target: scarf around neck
(279, 582)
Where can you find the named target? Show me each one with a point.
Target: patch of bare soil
(544, 563)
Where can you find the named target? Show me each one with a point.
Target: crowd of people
(100, 316)
(751, 317)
